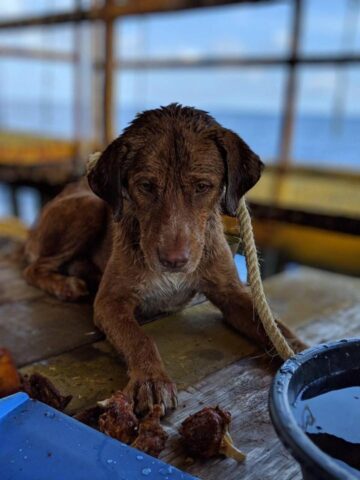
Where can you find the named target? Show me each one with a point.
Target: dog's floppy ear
(105, 178)
(243, 168)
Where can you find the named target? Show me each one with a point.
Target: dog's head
(172, 168)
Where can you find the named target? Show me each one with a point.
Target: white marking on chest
(167, 284)
(166, 292)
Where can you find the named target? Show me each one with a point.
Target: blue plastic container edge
(10, 403)
(20, 408)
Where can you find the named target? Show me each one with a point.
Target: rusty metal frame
(110, 11)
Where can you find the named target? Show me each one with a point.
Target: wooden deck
(211, 364)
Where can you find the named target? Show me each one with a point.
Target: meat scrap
(206, 434)
(36, 386)
(118, 419)
(152, 437)
(90, 416)
(9, 377)
(41, 388)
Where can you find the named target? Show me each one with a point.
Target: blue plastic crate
(39, 443)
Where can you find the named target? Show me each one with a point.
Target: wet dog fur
(146, 227)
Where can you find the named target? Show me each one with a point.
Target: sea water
(317, 143)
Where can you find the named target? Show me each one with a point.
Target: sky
(242, 30)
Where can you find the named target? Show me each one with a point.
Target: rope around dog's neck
(257, 290)
(260, 302)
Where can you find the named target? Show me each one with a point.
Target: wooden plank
(211, 365)
(12, 286)
(331, 310)
(38, 328)
(209, 361)
(241, 388)
(343, 323)
(35, 326)
(306, 295)
(27, 318)
(193, 344)
(90, 373)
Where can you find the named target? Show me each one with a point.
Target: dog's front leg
(221, 285)
(148, 381)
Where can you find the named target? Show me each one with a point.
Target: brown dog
(153, 231)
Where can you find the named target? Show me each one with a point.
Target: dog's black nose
(174, 259)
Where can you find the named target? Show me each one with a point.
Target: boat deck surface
(211, 363)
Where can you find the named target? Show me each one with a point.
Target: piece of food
(41, 388)
(9, 377)
(152, 437)
(206, 434)
(90, 416)
(118, 419)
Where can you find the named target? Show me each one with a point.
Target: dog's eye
(202, 187)
(146, 186)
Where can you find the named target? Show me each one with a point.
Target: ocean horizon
(319, 140)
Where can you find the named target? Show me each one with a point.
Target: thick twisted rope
(262, 307)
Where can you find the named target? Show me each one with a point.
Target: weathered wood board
(193, 344)
(305, 295)
(210, 362)
(39, 328)
(241, 388)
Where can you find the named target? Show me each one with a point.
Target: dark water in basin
(329, 412)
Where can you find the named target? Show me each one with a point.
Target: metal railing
(110, 12)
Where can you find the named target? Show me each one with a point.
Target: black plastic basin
(321, 365)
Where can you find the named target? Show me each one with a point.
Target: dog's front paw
(148, 390)
(71, 289)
